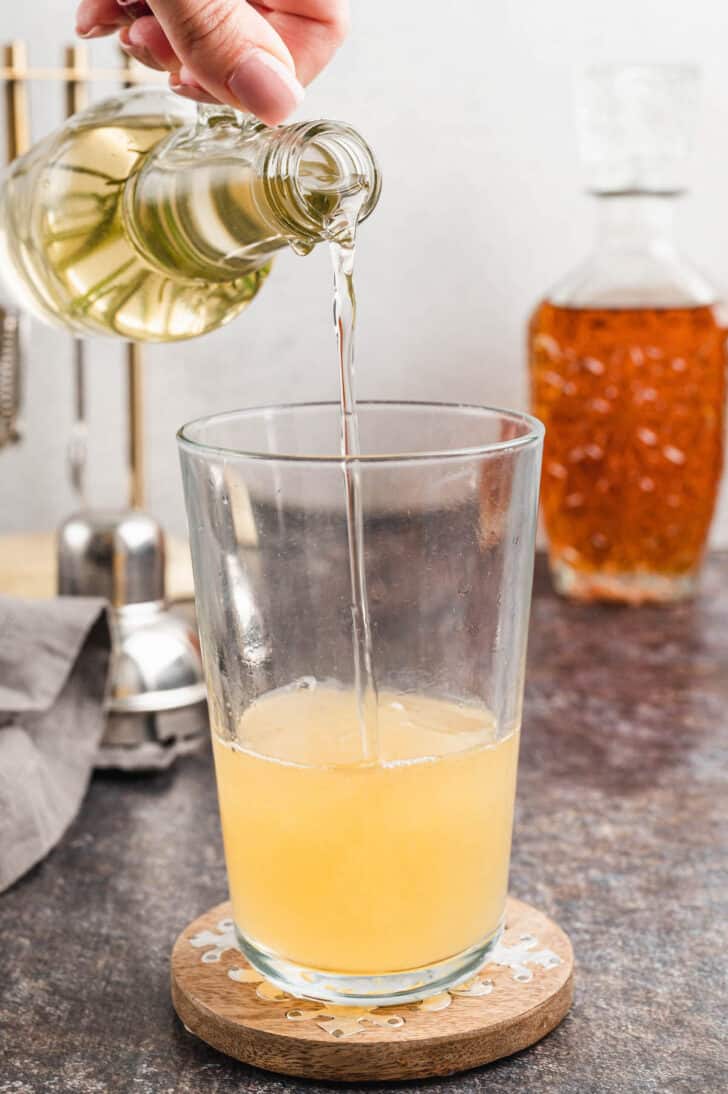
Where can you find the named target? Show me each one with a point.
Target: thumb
(234, 53)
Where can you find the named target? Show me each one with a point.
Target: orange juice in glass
(367, 837)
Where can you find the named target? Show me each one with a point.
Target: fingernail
(94, 32)
(265, 86)
(190, 90)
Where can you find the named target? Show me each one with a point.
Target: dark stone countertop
(621, 835)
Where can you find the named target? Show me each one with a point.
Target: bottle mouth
(314, 170)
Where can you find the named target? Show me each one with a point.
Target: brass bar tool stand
(157, 703)
(12, 325)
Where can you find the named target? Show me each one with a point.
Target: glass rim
(532, 435)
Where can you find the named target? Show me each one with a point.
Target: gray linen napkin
(54, 663)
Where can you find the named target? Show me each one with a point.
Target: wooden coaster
(514, 1001)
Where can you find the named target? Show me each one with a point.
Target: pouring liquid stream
(342, 243)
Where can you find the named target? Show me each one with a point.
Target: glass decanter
(628, 360)
(151, 219)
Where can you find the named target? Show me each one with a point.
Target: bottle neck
(217, 200)
(311, 171)
(636, 262)
(629, 223)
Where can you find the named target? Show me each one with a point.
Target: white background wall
(468, 106)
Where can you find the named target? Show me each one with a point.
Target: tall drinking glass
(367, 838)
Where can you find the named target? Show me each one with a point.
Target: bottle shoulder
(169, 111)
(634, 280)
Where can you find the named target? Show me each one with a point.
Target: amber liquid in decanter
(632, 400)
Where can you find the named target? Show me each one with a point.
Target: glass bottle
(628, 360)
(147, 218)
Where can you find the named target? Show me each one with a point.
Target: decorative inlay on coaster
(517, 998)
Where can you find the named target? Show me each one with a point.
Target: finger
(139, 53)
(135, 9)
(229, 49)
(335, 13)
(191, 89)
(312, 44)
(312, 29)
(146, 41)
(95, 18)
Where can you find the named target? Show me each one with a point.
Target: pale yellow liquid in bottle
(356, 867)
(62, 223)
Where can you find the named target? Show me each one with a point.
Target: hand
(254, 56)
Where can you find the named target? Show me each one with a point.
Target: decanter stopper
(636, 126)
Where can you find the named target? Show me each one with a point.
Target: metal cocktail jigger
(157, 700)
